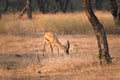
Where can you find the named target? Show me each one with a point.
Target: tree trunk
(115, 11)
(104, 56)
(27, 9)
(0, 16)
(118, 14)
(98, 4)
(61, 5)
(6, 7)
(41, 5)
(3, 6)
(65, 6)
(56, 7)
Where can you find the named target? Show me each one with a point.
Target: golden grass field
(21, 42)
(71, 23)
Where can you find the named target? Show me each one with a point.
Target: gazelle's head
(67, 47)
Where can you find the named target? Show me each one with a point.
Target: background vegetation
(73, 6)
(72, 23)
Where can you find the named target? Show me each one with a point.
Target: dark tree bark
(65, 5)
(27, 9)
(53, 6)
(56, 7)
(41, 5)
(50, 6)
(115, 11)
(104, 56)
(6, 7)
(20, 5)
(3, 6)
(0, 16)
(59, 5)
(71, 6)
(98, 4)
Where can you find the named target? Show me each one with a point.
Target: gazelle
(52, 40)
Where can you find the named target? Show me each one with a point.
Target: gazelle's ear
(68, 45)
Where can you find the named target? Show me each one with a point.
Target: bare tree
(27, 9)
(104, 56)
(115, 11)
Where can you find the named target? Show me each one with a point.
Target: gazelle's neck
(60, 45)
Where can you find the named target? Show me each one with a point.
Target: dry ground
(18, 59)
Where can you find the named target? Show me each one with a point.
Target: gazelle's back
(50, 37)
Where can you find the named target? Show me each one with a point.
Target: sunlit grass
(72, 23)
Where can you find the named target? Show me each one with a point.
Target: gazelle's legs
(51, 49)
(57, 49)
(44, 48)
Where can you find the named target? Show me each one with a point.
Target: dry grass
(73, 23)
(21, 41)
(17, 62)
